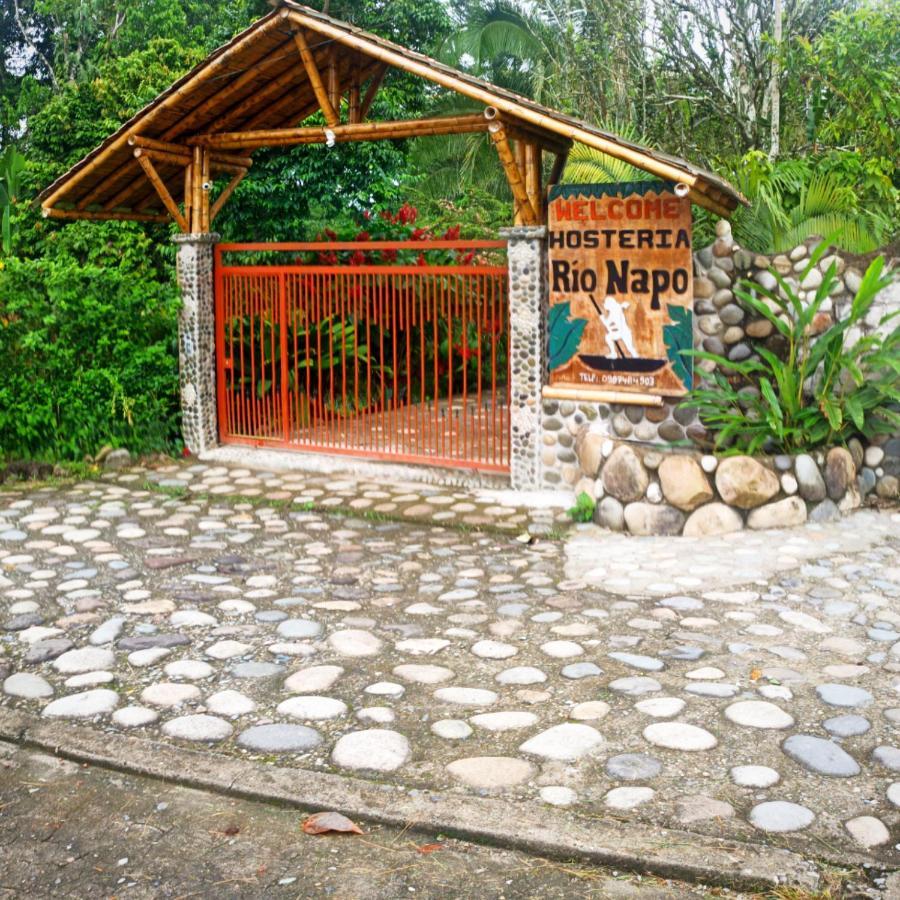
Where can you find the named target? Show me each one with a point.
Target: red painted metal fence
(406, 360)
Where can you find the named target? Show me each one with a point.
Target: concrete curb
(546, 832)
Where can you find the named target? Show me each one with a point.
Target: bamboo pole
(334, 83)
(205, 185)
(354, 98)
(533, 179)
(592, 395)
(196, 188)
(559, 165)
(188, 181)
(372, 90)
(361, 131)
(204, 72)
(524, 209)
(163, 192)
(648, 163)
(223, 197)
(53, 212)
(315, 79)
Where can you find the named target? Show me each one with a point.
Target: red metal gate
(405, 360)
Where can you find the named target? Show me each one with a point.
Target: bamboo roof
(259, 84)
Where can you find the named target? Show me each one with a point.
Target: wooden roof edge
(661, 164)
(198, 74)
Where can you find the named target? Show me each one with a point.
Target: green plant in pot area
(822, 388)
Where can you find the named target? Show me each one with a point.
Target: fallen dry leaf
(323, 822)
(429, 848)
(755, 674)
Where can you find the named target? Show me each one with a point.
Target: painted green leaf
(564, 334)
(679, 338)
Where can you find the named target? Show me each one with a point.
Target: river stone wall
(721, 325)
(647, 490)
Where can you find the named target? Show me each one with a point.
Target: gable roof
(257, 81)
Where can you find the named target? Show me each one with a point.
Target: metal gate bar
(406, 362)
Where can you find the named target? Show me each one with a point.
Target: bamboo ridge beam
(315, 79)
(163, 192)
(524, 209)
(363, 131)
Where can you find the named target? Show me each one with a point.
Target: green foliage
(822, 391)
(795, 199)
(589, 166)
(12, 164)
(852, 74)
(583, 510)
(88, 350)
(678, 338)
(563, 334)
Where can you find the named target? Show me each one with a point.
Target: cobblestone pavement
(747, 686)
(61, 837)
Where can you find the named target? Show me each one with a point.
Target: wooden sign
(621, 292)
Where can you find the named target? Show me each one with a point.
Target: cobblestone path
(745, 686)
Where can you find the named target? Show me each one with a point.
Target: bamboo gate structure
(196, 141)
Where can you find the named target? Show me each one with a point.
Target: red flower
(358, 258)
(452, 234)
(387, 216)
(421, 260)
(494, 326)
(328, 259)
(389, 256)
(332, 236)
(363, 236)
(465, 258)
(185, 451)
(420, 234)
(407, 214)
(367, 215)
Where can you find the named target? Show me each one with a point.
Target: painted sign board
(621, 291)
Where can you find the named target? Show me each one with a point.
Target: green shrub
(823, 391)
(583, 510)
(88, 346)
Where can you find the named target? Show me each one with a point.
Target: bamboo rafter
(315, 79)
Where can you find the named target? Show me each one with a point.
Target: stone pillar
(197, 341)
(527, 356)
